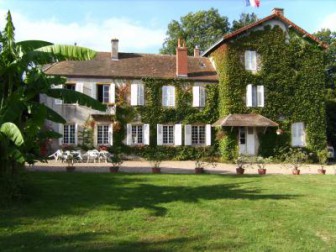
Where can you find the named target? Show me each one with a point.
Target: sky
(141, 25)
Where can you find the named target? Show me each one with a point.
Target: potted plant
(323, 158)
(70, 162)
(115, 159)
(261, 164)
(241, 163)
(200, 162)
(155, 158)
(295, 158)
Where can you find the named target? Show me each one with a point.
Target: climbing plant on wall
(291, 71)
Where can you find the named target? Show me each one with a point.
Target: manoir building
(258, 81)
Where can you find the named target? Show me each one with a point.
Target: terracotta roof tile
(135, 65)
(242, 120)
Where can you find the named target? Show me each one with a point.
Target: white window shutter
(146, 134)
(112, 93)
(79, 87)
(172, 95)
(159, 134)
(248, 60)
(301, 133)
(58, 101)
(141, 94)
(196, 96)
(178, 134)
(260, 96)
(61, 131)
(94, 90)
(208, 134)
(134, 94)
(249, 95)
(253, 60)
(187, 134)
(110, 134)
(164, 96)
(129, 134)
(76, 134)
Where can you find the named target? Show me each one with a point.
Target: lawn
(146, 212)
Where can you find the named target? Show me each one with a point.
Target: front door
(248, 141)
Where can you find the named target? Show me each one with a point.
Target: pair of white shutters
(168, 96)
(145, 134)
(137, 94)
(111, 91)
(298, 135)
(251, 60)
(255, 96)
(78, 87)
(198, 96)
(187, 134)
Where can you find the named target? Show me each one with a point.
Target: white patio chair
(104, 155)
(91, 155)
(56, 155)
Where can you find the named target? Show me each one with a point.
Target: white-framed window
(169, 134)
(69, 134)
(251, 60)
(255, 96)
(104, 134)
(197, 135)
(298, 135)
(137, 94)
(198, 96)
(57, 101)
(168, 96)
(105, 93)
(137, 134)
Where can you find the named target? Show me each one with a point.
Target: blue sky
(141, 25)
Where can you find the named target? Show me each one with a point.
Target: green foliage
(296, 157)
(244, 19)
(202, 29)
(294, 87)
(228, 146)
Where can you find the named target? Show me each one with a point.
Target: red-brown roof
(134, 66)
(246, 28)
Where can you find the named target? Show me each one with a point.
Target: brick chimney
(278, 11)
(181, 59)
(196, 51)
(114, 51)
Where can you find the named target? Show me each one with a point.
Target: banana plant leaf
(12, 132)
(69, 52)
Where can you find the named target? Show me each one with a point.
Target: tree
(202, 29)
(245, 19)
(22, 80)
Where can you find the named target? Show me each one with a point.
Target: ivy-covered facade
(266, 78)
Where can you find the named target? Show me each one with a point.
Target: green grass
(145, 212)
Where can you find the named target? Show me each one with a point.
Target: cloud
(133, 37)
(329, 22)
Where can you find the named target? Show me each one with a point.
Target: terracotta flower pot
(261, 171)
(156, 170)
(199, 170)
(296, 172)
(114, 169)
(70, 168)
(240, 171)
(321, 171)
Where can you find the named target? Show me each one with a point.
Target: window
(137, 94)
(251, 60)
(298, 135)
(198, 96)
(106, 93)
(198, 135)
(168, 96)
(69, 134)
(168, 134)
(137, 134)
(104, 134)
(255, 96)
(70, 86)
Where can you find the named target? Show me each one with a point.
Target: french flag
(253, 3)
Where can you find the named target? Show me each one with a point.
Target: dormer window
(251, 61)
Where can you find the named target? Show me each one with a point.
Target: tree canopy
(201, 29)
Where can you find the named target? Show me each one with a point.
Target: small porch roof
(241, 120)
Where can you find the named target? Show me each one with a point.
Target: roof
(251, 120)
(134, 66)
(246, 28)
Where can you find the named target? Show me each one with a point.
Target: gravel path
(173, 167)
